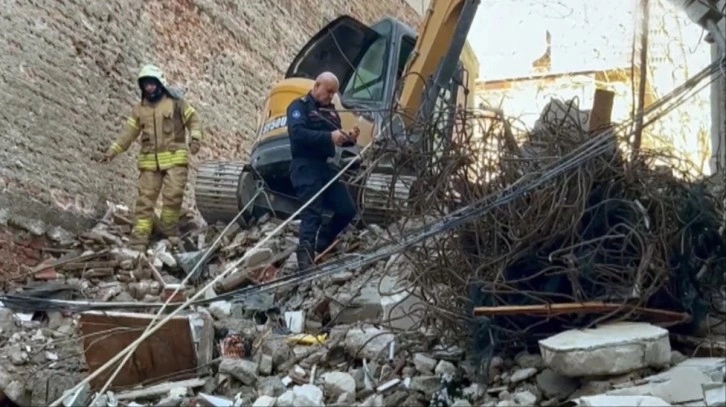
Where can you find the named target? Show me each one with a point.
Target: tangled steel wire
(626, 233)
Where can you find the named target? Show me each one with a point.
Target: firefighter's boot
(140, 235)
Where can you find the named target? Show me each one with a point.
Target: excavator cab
(369, 62)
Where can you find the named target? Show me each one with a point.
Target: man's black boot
(305, 258)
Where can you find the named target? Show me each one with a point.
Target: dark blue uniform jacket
(311, 144)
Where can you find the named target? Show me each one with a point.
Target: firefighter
(160, 119)
(314, 129)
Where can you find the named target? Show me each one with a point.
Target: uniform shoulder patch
(296, 114)
(304, 98)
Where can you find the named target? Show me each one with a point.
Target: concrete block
(611, 349)
(714, 394)
(715, 368)
(620, 401)
(675, 386)
(398, 304)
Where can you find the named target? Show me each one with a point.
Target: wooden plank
(602, 110)
(168, 354)
(59, 262)
(577, 308)
(158, 390)
(205, 345)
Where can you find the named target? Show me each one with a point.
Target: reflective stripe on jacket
(162, 131)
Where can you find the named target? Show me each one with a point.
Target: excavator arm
(435, 57)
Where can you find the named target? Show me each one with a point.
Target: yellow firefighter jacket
(162, 127)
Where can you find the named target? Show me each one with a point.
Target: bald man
(314, 129)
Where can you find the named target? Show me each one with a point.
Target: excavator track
(383, 197)
(223, 188)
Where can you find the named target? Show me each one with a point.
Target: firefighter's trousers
(171, 184)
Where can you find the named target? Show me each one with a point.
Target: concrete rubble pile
(353, 338)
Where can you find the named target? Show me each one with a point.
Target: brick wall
(17, 249)
(67, 72)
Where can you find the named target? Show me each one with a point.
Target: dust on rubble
(352, 338)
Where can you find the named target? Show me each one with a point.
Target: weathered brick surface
(17, 249)
(67, 72)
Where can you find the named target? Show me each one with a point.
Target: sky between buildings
(508, 35)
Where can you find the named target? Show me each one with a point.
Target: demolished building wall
(69, 73)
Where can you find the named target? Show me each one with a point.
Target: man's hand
(339, 138)
(194, 147)
(354, 133)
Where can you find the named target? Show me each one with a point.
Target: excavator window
(369, 80)
(407, 46)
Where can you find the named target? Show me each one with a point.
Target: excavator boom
(371, 62)
(434, 60)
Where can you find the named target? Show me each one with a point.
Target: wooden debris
(69, 260)
(158, 390)
(669, 317)
(168, 353)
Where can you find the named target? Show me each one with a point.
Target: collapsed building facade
(545, 270)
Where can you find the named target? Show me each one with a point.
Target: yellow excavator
(390, 78)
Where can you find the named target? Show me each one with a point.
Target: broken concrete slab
(444, 367)
(295, 321)
(346, 308)
(307, 395)
(158, 389)
(525, 398)
(620, 401)
(554, 385)
(337, 383)
(714, 394)
(368, 342)
(521, 375)
(241, 369)
(715, 368)
(675, 386)
(270, 386)
(264, 401)
(424, 363)
(610, 349)
(11, 388)
(398, 304)
(208, 400)
(80, 397)
(256, 256)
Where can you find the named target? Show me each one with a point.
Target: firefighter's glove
(194, 147)
(107, 156)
